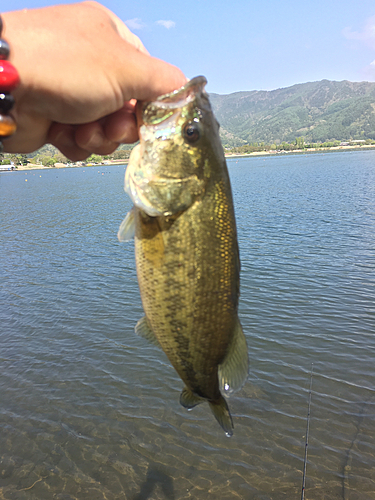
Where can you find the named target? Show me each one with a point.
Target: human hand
(82, 72)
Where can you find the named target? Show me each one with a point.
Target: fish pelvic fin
(222, 414)
(234, 370)
(143, 329)
(189, 400)
(127, 227)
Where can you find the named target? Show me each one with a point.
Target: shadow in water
(155, 477)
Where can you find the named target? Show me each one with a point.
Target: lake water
(88, 410)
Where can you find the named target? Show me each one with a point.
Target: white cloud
(135, 24)
(364, 38)
(366, 35)
(368, 72)
(166, 24)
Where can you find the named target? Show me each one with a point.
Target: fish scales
(186, 247)
(190, 294)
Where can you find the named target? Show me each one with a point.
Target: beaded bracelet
(9, 80)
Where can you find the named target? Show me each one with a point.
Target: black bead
(6, 103)
(4, 49)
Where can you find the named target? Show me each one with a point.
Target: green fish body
(186, 247)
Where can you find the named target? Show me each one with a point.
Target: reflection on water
(90, 411)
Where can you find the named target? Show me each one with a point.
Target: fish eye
(191, 132)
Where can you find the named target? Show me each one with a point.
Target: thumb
(144, 78)
(120, 26)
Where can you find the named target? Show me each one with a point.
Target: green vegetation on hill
(318, 111)
(298, 145)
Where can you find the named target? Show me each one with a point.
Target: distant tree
(285, 146)
(15, 159)
(48, 161)
(300, 142)
(94, 159)
(23, 159)
(60, 158)
(121, 154)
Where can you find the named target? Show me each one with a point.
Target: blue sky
(252, 44)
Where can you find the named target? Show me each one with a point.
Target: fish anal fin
(222, 414)
(233, 371)
(127, 227)
(143, 329)
(189, 400)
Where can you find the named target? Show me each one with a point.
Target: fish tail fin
(222, 414)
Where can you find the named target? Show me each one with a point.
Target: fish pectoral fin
(233, 371)
(127, 227)
(189, 400)
(222, 414)
(143, 329)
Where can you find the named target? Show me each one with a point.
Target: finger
(155, 76)
(77, 142)
(91, 137)
(63, 138)
(146, 77)
(121, 126)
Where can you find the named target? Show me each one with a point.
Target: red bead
(9, 78)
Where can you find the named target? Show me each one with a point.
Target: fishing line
(307, 437)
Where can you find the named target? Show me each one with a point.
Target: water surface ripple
(90, 411)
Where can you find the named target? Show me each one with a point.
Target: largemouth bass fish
(186, 247)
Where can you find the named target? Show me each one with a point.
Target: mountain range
(318, 111)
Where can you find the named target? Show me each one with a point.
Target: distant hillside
(318, 111)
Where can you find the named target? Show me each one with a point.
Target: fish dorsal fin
(189, 400)
(143, 329)
(233, 371)
(127, 227)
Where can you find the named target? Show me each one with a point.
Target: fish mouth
(166, 105)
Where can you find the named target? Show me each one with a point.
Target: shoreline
(298, 151)
(34, 166)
